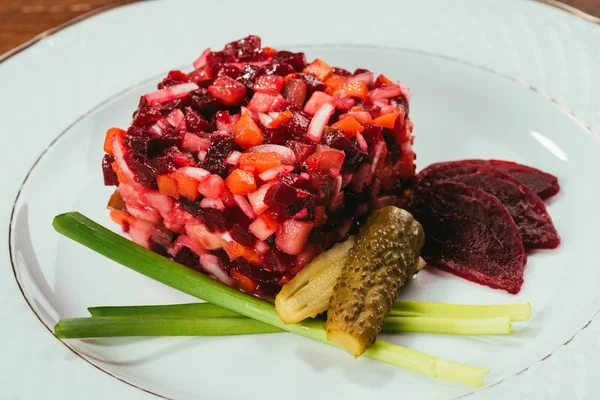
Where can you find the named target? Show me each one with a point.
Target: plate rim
(561, 108)
(52, 31)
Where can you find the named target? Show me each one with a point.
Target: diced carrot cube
(357, 89)
(167, 184)
(108, 139)
(320, 68)
(349, 126)
(357, 109)
(386, 120)
(287, 114)
(269, 51)
(335, 83)
(243, 282)
(121, 217)
(383, 79)
(120, 175)
(259, 162)
(241, 182)
(235, 250)
(186, 185)
(246, 133)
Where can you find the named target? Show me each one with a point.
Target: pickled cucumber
(381, 261)
(308, 293)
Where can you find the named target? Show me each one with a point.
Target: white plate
(459, 110)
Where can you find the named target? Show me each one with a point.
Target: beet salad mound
(257, 161)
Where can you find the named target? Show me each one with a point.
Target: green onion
(92, 235)
(401, 308)
(516, 312)
(97, 327)
(169, 325)
(195, 310)
(448, 326)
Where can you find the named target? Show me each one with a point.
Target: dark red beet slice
(541, 183)
(470, 234)
(527, 210)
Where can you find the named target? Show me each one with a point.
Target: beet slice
(469, 233)
(541, 183)
(527, 210)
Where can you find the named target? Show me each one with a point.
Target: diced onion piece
(233, 158)
(201, 61)
(385, 92)
(217, 204)
(362, 143)
(244, 206)
(175, 117)
(285, 153)
(273, 173)
(212, 266)
(257, 198)
(365, 77)
(171, 93)
(319, 121)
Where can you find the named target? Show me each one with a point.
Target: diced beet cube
(194, 122)
(372, 134)
(268, 84)
(296, 60)
(236, 215)
(245, 50)
(343, 103)
(276, 215)
(341, 71)
(174, 77)
(277, 261)
(301, 150)
(228, 70)
(162, 235)
(336, 139)
(229, 91)
(249, 75)
(214, 220)
(146, 115)
(203, 102)
(281, 69)
(329, 161)
(241, 235)
(313, 83)
(110, 177)
(144, 173)
(295, 91)
(280, 196)
(188, 258)
(322, 184)
(294, 128)
(220, 146)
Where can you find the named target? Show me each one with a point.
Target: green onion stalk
(117, 248)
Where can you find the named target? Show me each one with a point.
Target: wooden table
(21, 20)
